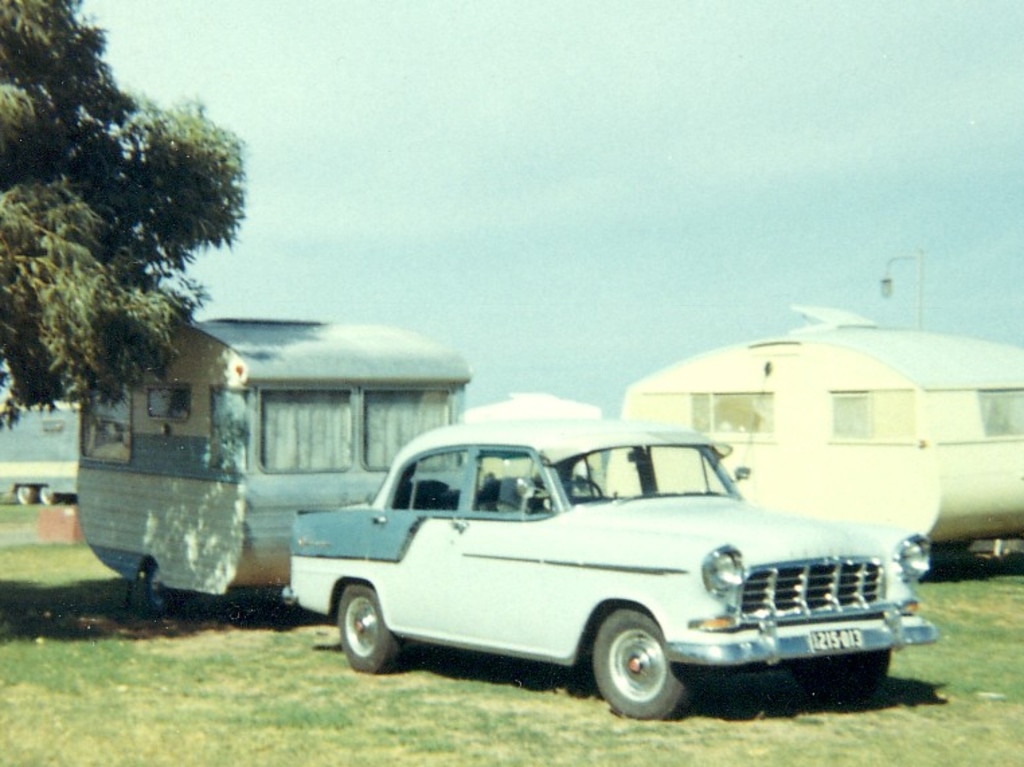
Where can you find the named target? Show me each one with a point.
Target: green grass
(242, 680)
(14, 516)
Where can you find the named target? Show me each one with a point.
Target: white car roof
(555, 439)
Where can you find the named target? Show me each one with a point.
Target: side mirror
(742, 473)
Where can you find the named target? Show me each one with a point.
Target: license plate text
(836, 640)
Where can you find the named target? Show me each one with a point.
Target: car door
(496, 590)
(413, 534)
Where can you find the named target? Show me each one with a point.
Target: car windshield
(641, 471)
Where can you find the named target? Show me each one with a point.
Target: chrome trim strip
(635, 569)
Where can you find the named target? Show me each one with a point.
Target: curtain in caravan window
(734, 413)
(880, 416)
(851, 415)
(306, 431)
(392, 418)
(1002, 412)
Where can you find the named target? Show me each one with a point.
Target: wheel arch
(585, 647)
(339, 589)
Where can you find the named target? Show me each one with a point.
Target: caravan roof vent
(826, 318)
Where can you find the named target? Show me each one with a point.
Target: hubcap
(638, 665)
(362, 626)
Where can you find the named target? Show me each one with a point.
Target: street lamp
(887, 283)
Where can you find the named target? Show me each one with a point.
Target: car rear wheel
(632, 671)
(369, 645)
(842, 679)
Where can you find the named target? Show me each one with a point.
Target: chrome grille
(810, 588)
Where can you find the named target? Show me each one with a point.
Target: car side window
(431, 483)
(509, 481)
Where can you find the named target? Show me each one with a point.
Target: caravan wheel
(27, 495)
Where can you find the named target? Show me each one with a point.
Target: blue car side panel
(354, 533)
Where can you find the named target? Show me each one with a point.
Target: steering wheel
(592, 488)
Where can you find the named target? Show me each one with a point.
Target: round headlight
(913, 555)
(723, 571)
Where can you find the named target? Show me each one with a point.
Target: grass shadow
(771, 694)
(956, 564)
(96, 609)
(776, 695)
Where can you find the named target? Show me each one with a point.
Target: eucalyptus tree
(105, 201)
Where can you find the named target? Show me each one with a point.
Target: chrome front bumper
(772, 643)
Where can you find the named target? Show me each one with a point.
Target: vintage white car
(622, 543)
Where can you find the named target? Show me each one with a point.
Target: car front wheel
(632, 671)
(369, 645)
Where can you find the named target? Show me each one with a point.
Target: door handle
(460, 525)
(380, 519)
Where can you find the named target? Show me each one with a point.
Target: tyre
(842, 679)
(632, 671)
(369, 645)
(27, 495)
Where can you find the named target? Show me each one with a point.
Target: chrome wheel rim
(638, 665)
(362, 626)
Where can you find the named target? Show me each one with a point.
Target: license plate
(836, 640)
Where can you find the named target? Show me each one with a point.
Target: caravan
(849, 421)
(190, 482)
(39, 456)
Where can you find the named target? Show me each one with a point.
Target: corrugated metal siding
(41, 448)
(268, 547)
(172, 456)
(195, 530)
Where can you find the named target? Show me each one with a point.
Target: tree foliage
(105, 201)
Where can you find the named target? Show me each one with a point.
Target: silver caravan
(39, 456)
(191, 482)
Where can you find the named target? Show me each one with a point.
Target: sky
(575, 195)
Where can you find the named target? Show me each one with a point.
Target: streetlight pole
(887, 283)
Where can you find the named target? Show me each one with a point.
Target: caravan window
(106, 431)
(229, 430)
(1002, 412)
(170, 403)
(873, 415)
(392, 418)
(306, 431)
(734, 413)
